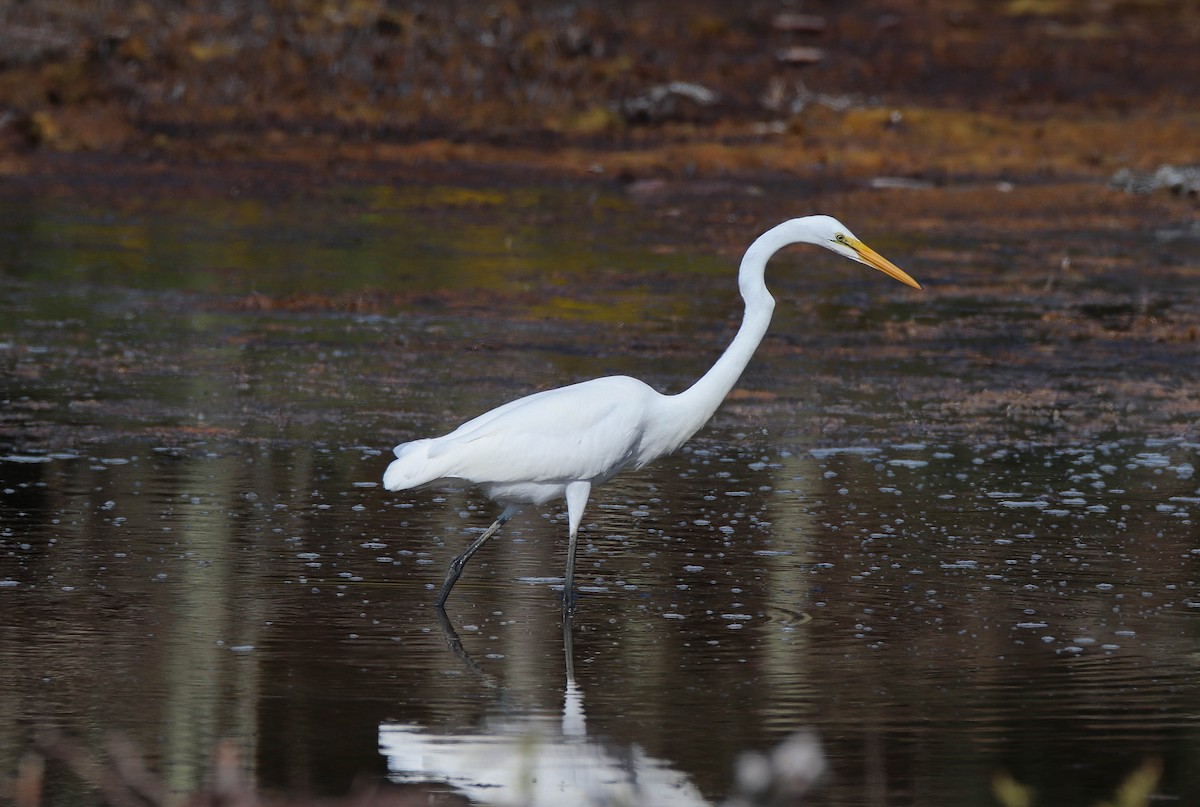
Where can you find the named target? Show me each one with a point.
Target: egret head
(828, 232)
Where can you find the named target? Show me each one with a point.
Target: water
(199, 401)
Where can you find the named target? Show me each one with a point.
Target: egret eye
(840, 238)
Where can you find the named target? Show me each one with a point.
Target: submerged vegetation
(1139, 789)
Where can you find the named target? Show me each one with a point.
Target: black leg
(569, 579)
(577, 495)
(456, 565)
(569, 601)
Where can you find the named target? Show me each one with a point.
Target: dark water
(198, 403)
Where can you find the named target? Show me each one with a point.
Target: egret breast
(523, 492)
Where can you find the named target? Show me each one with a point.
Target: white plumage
(561, 442)
(537, 443)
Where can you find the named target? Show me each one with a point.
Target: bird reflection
(533, 759)
(536, 760)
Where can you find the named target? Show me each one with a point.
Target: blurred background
(929, 88)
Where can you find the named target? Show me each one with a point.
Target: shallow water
(199, 401)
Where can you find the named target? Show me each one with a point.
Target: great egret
(563, 441)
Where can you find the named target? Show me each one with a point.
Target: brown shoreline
(1020, 90)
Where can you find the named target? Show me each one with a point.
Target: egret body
(562, 442)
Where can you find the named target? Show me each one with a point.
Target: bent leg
(456, 565)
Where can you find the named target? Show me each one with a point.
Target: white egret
(564, 441)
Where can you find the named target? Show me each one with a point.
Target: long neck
(694, 406)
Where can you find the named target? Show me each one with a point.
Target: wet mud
(857, 90)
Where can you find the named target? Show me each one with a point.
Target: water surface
(930, 558)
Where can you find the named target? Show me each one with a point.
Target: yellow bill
(873, 258)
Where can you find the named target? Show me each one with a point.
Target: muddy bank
(632, 90)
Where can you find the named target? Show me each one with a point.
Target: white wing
(586, 431)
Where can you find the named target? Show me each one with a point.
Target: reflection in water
(540, 760)
(196, 676)
(534, 759)
(925, 608)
